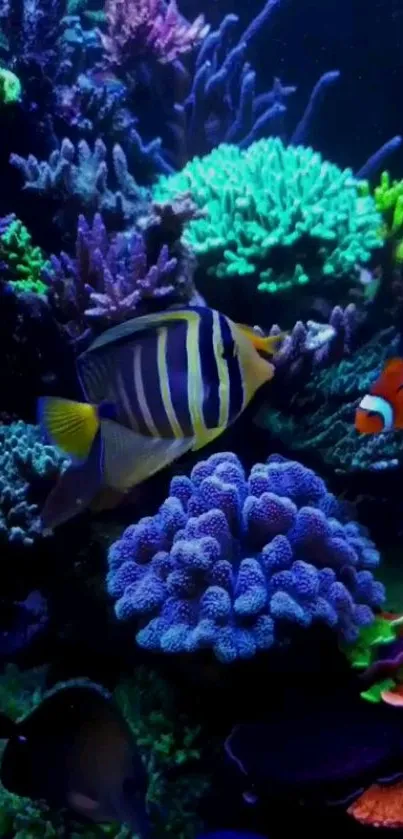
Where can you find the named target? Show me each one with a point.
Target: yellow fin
(262, 343)
(70, 425)
(206, 437)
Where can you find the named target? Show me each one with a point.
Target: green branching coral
(280, 214)
(166, 741)
(22, 261)
(164, 738)
(10, 87)
(388, 197)
(320, 418)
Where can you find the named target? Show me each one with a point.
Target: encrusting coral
(233, 563)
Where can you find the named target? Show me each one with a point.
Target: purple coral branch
(148, 29)
(316, 343)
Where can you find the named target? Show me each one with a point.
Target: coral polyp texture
(21, 263)
(236, 563)
(25, 462)
(320, 418)
(278, 214)
(113, 278)
(148, 29)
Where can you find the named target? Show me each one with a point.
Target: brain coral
(278, 213)
(233, 563)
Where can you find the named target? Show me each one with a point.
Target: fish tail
(70, 425)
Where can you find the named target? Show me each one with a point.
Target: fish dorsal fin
(130, 458)
(135, 326)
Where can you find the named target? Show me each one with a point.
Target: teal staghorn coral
(164, 736)
(279, 214)
(22, 262)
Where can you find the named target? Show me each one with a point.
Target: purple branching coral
(235, 563)
(79, 179)
(112, 279)
(316, 345)
(148, 29)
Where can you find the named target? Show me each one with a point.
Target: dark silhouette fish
(320, 753)
(75, 750)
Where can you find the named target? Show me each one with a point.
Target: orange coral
(380, 806)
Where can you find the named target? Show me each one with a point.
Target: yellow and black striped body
(182, 378)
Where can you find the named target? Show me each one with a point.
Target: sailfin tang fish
(382, 408)
(76, 750)
(155, 387)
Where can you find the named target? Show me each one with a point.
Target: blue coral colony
(197, 305)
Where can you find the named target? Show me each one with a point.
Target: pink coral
(148, 28)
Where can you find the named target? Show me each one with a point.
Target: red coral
(148, 28)
(380, 806)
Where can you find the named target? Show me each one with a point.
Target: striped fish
(155, 387)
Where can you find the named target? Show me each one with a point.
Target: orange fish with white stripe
(382, 408)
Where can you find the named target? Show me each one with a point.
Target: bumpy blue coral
(25, 461)
(233, 563)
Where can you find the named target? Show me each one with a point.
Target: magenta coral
(148, 28)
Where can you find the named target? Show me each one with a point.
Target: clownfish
(382, 408)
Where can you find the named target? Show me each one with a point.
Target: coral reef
(321, 416)
(21, 263)
(78, 179)
(10, 87)
(315, 345)
(25, 462)
(279, 216)
(114, 278)
(234, 563)
(147, 29)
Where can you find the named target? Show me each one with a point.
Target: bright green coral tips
(23, 261)
(361, 654)
(10, 87)
(279, 216)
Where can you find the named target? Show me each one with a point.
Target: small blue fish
(155, 387)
